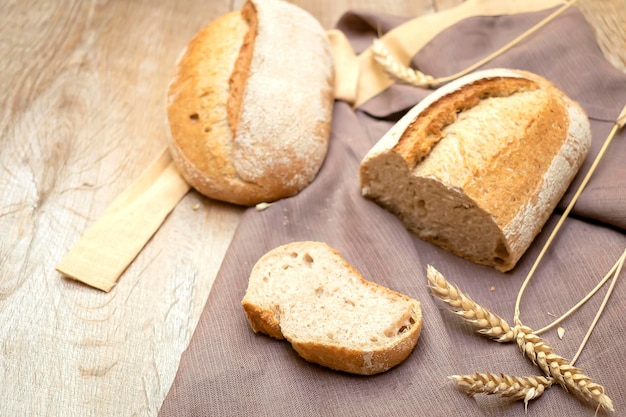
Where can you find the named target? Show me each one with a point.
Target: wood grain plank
(329, 12)
(82, 115)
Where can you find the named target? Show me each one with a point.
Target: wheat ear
(485, 322)
(397, 71)
(404, 74)
(509, 386)
(570, 377)
(533, 346)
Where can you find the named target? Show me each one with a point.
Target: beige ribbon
(359, 78)
(116, 238)
(107, 248)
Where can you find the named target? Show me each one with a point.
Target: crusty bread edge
(262, 320)
(334, 356)
(391, 138)
(363, 362)
(278, 180)
(182, 96)
(528, 221)
(289, 85)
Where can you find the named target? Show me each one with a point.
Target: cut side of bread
(250, 105)
(479, 165)
(306, 293)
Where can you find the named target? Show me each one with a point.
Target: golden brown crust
(358, 361)
(337, 357)
(426, 130)
(262, 320)
(239, 76)
(250, 105)
(279, 302)
(480, 183)
(200, 136)
(545, 133)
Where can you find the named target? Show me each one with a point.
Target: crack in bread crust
(250, 105)
(239, 77)
(426, 130)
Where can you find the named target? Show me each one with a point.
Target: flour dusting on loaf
(250, 105)
(479, 165)
(294, 109)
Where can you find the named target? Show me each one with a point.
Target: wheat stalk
(533, 346)
(485, 322)
(509, 386)
(397, 71)
(404, 74)
(570, 377)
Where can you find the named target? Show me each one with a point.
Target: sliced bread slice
(306, 293)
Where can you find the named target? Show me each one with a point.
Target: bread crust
(250, 105)
(267, 313)
(357, 361)
(502, 168)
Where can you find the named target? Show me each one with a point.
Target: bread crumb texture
(306, 293)
(250, 105)
(479, 168)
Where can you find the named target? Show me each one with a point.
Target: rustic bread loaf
(249, 108)
(479, 165)
(306, 293)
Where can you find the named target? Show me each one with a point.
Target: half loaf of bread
(307, 293)
(479, 165)
(249, 107)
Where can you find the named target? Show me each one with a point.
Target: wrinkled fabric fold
(228, 370)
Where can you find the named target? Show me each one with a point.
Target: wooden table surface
(82, 115)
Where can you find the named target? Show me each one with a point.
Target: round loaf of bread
(249, 107)
(479, 165)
